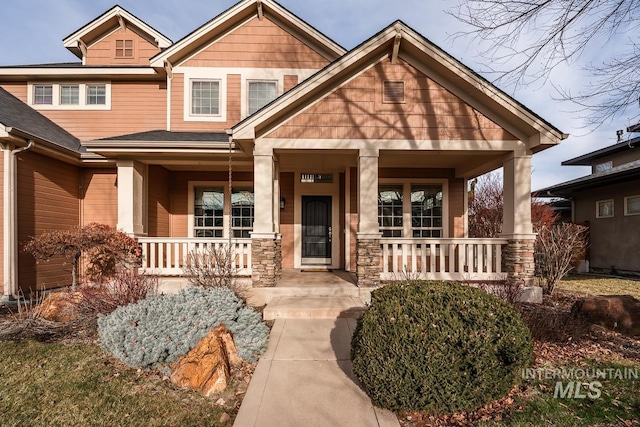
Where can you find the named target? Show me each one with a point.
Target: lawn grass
(599, 285)
(58, 384)
(618, 404)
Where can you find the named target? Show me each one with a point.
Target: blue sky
(33, 30)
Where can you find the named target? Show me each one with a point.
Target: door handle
(329, 233)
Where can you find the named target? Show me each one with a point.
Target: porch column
(368, 237)
(517, 256)
(132, 197)
(266, 251)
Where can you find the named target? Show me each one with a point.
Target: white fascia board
(77, 71)
(4, 133)
(73, 39)
(164, 145)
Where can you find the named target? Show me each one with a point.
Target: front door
(316, 230)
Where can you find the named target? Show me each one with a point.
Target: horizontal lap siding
(180, 195)
(177, 107)
(258, 44)
(19, 90)
(47, 200)
(99, 196)
(159, 201)
(103, 52)
(356, 110)
(286, 218)
(290, 82)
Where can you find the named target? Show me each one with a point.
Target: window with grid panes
(205, 97)
(69, 94)
(43, 94)
(124, 48)
(242, 212)
(260, 94)
(390, 210)
(96, 94)
(208, 212)
(426, 210)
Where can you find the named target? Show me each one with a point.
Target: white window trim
(406, 203)
(226, 212)
(613, 210)
(204, 74)
(626, 211)
(205, 117)
(279, 86)
(82, 96)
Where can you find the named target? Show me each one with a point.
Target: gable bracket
(396, 48)
(83, 48)
(121, 21)
(168, 68)
(260, 13)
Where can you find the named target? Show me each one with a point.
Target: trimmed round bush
(439, 347)
(162, 328)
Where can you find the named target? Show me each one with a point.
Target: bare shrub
(507, 290)
(26, 322)
(214, 267)
(124, 288)
(557, 250)
(552, 324)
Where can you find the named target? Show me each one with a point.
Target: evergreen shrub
(438, 347)
(162, 328)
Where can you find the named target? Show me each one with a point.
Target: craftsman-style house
(355, 160)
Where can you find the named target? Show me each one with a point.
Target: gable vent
(393, 91)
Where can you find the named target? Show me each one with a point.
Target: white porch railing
(441, 259)
(167, 255)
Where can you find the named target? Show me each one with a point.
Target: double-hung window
(242, 212)
(96, 94)
(69, 94)
(43, 94)
(260, 94)
(205, 97)
(426, 210)
(208, 212)
(390, 210)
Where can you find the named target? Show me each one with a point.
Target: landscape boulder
(206, 367)
(620, 313)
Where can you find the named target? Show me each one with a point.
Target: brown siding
(47, 200)
(103, 52)
(177, 106)
(135, 107)
(290, 82)
(356, 110)
(614, 241)
(159, 202)
(180, 194)
(258, 44)
(286, 218)
(457, 194)
(353, 216)
(99, 196)
(17, 89)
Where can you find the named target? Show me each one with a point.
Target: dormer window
(124, 48)
(601, 167)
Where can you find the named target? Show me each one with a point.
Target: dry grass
(600, 285)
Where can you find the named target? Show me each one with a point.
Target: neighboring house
(353, 160)
(608, 200)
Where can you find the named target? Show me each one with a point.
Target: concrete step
(261, 296)
(313, 307)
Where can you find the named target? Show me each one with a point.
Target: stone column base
(266, 262)
(368, 262)
(518, 262)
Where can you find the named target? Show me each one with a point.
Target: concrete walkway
(305, 379)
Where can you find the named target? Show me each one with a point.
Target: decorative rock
(59, 306)
(617, 312)
(206, 367)
(231, 349)
(225, 418)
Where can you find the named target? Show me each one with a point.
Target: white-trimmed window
(205, 97)
(242, 212)
(632, 205)
(69, 94)
(208, 212)
(42, 94)
(390, 210)
(260, 93)
(426, 210)
(96, 94)
(601, 167)
(604, 208)
(124, 48)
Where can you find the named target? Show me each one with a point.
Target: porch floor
(300, 278)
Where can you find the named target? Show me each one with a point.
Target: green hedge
(439, 347)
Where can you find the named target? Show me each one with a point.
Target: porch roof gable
(400, 41)
(236, 15)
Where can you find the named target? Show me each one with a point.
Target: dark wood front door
(316, 229)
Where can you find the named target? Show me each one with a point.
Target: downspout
(10, 225)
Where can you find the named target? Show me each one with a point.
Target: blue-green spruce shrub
(162, 328)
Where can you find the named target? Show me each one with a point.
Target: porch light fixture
(282, 202)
